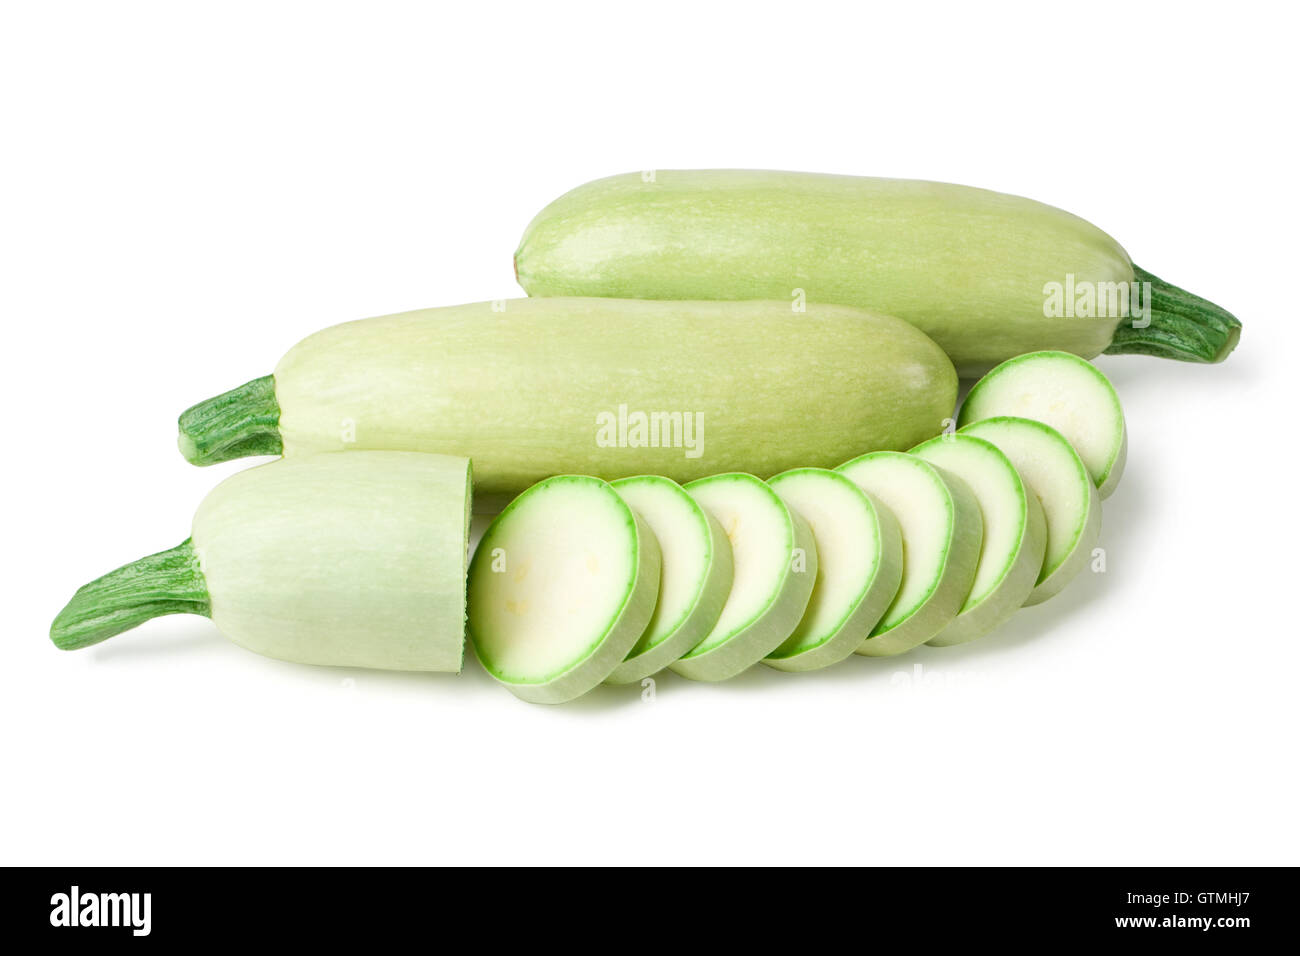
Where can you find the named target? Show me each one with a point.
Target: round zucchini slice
(1067, 392)
(775, 567)
(941, 528)
(859, 567)
(1015, 534)
(561, 587)
(694, 580)
(1056, 474)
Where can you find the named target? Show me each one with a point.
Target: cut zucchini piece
(941, 529)
(1068, 393)
(775, 567)
(348, 560)
(561, 587)
(1055, 473)
(1015, 535)
(859, 567)
(694, 580)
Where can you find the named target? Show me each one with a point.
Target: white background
(188, 189)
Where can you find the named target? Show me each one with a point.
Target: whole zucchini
(530, 388)
(986, 275)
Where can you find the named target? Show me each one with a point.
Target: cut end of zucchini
(169, 582)
(1064, 391)
(236, 424)
(468, 518)
(1180, 326)
(561, 587)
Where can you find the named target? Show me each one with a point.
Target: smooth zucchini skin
(350, 560)
(965, 265)
(521, 387)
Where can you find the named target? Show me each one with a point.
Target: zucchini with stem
(353, 560)
(537, 387)
(986, 275)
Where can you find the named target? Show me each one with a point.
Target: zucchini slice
(1015, 533)
(1066, 392)
(941, 529)
(859, 567)
(775, 567)
(694, 580)
(561, 587)
(1055, 473)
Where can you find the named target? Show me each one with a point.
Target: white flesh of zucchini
(1067, 392)
(1055, 473)
(941, 529)
(1015, 535)
(775, 567)
(859, 567)
(561, 587)
(694, 580)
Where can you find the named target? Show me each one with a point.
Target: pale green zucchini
(535, 387)
(355, 560)
(970, 267)
(561, 587)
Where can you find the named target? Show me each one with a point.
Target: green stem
(1182, 326)
(244, 421)
(169, 582)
